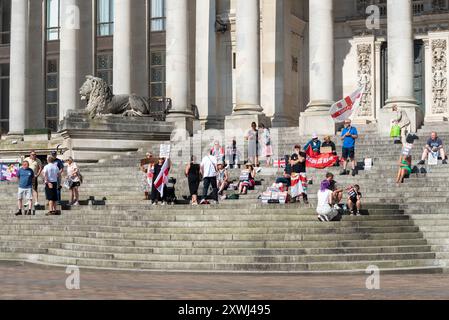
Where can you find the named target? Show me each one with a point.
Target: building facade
(287, 60)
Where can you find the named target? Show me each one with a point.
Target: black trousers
(207, 182)
(156, 196)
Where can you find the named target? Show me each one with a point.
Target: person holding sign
(247, 177)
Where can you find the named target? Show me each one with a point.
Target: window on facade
(53, 19)
(157, 74)
(52, 93)
(105, 18)
(4, 98)
(5, 23)
(105, 67)
(157, 15)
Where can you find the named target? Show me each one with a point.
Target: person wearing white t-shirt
(209, 172)
(51, 176)
(325, 210)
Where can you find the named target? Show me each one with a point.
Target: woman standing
(73, 175)
(193, 175)
(145, 173)
(267, 149)
(253, 144)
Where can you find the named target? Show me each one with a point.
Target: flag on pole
(162, 179)
(344, 109)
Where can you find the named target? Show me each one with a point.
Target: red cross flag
(162, 179)
(344, 109)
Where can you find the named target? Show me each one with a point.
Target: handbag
(68, 184)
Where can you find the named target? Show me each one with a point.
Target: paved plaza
(20, 281)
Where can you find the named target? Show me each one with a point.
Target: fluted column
(18, 67)
(69, 81)
(401, 65)
(205, 70)
(316, 119)
(400, 52)
(122, 47)
(177, 58)
(248, 56)
(321, 51)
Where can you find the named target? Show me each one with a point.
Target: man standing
(402, 119)
(209, 172)
(25, 176)
(60, 164)
(349, 136)
(434, 145)
(36, 166)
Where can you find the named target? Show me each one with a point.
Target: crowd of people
(32, 171)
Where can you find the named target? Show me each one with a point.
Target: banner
(320, 161)
(298, 184)
(8, 172)
(344, 109)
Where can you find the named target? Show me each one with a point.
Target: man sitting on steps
(434, 146)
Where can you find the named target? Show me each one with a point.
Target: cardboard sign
(407, 149)
(433, 159)
(326, 150)
(368, 164)
(165, 151)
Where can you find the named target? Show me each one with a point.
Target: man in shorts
(25, 176)
(349, 135)
(36, 166)
(354, 200)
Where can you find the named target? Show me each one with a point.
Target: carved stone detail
(439, 76)
(364, 59)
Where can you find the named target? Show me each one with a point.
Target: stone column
(317, 119)
(205, 71)
(18, 67)
(122, 47)
(69, 80)
(248, 56)
(177, 63)
(400, 65)
(248, 79)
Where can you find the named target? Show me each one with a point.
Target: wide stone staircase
(403, 228)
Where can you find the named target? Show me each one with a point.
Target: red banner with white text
(320, 161)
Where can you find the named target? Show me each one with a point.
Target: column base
(184, 121)
(319, 105)
(437, 118)
(242, 122)
(414, 113)
(319, 122)
(238, 125)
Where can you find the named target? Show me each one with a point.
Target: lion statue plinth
(102, 102)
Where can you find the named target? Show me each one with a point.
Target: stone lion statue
(101, 101)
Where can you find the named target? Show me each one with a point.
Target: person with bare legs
(25, 176)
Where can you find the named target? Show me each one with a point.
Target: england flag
(162, 179)
(344, 109)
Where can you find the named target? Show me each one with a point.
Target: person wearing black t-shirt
(298, 164)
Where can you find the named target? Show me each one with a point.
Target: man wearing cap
(60, 164)
(315, 144)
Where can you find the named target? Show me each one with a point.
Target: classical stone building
(286, 60)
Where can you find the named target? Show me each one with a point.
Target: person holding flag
(159, 188)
